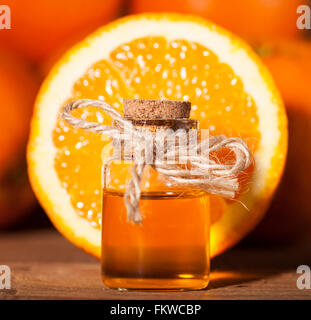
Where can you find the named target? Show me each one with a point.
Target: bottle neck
(155, 124)
(157, 138)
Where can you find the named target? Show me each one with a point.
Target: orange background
(42, 30)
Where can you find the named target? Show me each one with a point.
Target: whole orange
(37, 29)
(18, 87)
(248, 18)
(289, 217)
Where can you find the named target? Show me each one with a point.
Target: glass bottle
(170, 248)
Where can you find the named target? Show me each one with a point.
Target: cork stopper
(156, 109)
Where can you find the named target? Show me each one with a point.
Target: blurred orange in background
(18, 87)
(289, 217)
(39, 27)
(248, 18)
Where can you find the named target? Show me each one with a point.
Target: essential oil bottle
(169, 249)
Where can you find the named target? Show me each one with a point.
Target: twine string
(206, 173)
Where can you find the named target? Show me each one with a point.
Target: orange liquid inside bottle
(170, 250)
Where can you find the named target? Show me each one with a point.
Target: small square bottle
(170, 248)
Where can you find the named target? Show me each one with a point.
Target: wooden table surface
(46, 266)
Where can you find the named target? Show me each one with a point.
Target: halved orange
(155, 56)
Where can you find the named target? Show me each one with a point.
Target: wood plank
(46, 266)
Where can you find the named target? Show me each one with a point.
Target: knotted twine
(206, 173)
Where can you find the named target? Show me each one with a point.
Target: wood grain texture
(46, 266)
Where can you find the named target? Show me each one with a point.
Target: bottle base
(124, 284)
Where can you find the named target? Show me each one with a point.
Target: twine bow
(206, 173)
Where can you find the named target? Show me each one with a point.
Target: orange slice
(155, 56)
